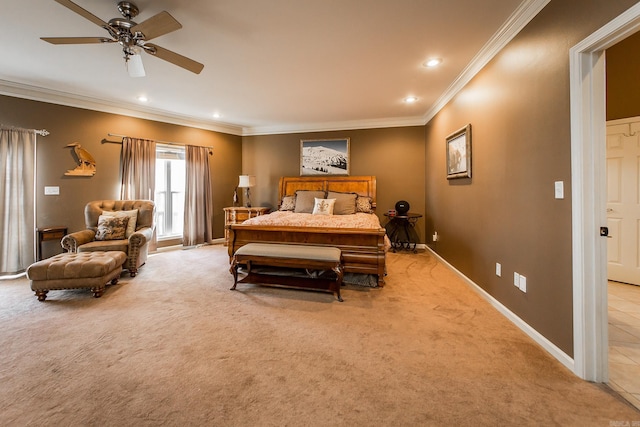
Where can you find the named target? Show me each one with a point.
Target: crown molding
(35, 93)
(519, 19)
(331, 126)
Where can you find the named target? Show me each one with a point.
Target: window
(169, 195)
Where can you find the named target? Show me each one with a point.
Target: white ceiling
(271, 66)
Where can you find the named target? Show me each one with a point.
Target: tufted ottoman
(76, 271)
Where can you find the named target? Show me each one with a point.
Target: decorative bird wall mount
(86, 162)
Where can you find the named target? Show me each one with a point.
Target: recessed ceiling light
(217, 115)
(411, 99)
(142, 98)
(432, 62)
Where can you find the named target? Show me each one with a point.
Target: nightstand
(400, 231)
(238, 215)
(49, 233)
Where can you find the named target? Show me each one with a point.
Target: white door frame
(588, 176)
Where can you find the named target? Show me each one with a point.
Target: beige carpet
(174, 346)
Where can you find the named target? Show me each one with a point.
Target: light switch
(559, 189)
(52, 191)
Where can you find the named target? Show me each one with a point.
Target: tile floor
(624, 340)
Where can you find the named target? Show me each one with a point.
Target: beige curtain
(139, 173)
(17, 224)
(138, 169)
(198, 204)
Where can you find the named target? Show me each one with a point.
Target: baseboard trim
(550, 347)
(178, 247)
(13, 276)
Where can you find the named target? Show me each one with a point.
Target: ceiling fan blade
(157, 25)
(174, 58)
(76, 40)
(83, 12)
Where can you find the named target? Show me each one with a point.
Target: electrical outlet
(435, 236)
(516, 280)
(498, 269)
(523, 283)
(559, 189)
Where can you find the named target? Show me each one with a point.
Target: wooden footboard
(363, 251)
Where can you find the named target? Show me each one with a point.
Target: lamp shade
(247, 181)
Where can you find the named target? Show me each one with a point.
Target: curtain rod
(154, 140)
(41, 132)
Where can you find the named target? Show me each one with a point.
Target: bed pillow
(363, 204)
(111, 227)
(133, 218)
(305, 200)
(288, 203)
(323, 206)
(345, 203)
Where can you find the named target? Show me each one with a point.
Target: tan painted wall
(89, 128)
(623, 90)
(394, 155)
(519, 109)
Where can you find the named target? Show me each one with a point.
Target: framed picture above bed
(324, 156)
(459, 153)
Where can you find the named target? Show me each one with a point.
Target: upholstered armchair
(108, 231)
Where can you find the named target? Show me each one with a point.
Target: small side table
(49, 233)
(238, 215)
(400, 229)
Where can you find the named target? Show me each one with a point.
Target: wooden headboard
(362, 185)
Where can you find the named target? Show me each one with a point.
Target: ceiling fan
(133, 37)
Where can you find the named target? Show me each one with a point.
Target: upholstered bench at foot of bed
(289, 256)
(91, 270)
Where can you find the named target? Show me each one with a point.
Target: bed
(363, 249)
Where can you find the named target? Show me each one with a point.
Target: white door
(623, 200)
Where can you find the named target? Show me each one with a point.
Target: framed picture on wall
(324, 156)
(459, 153)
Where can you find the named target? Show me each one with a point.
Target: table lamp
(246, 182)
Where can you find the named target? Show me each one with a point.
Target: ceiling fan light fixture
(134, 65)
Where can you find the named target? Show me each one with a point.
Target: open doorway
(623, 216)
(589, 195)
(623, 219)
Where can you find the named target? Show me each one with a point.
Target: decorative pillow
(305, 200)
(363, 204)
(345, 203)
(111, 227)
(323, 206)
(288, 203)
(133, 218)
